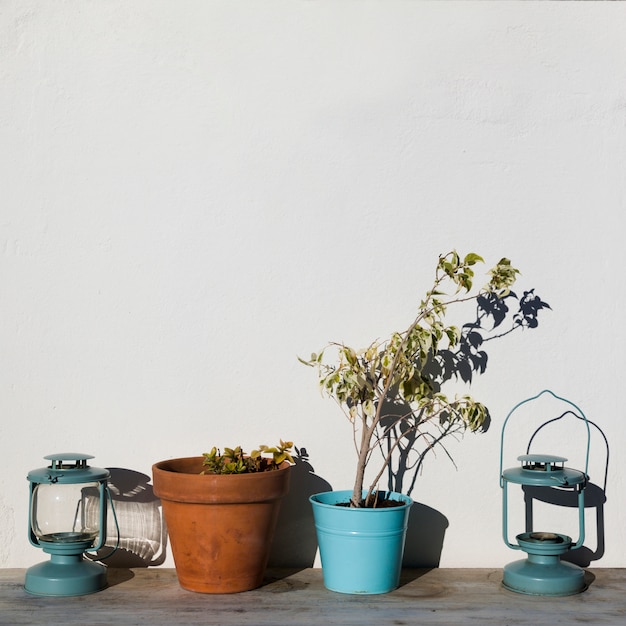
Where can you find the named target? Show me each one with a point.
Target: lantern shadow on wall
(142, 531)
(594, 496)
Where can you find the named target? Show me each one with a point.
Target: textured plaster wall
(192, 194)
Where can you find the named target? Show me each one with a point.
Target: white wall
(194, 193)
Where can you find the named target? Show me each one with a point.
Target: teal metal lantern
(67, 517)
(543, 572)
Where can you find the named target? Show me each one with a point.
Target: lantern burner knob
(541, 536)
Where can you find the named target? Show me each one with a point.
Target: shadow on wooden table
(119, 575)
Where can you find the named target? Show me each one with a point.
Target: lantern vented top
(542, 462)
(58, 460)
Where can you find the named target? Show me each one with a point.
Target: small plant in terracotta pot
(221, 512)
(236, 461)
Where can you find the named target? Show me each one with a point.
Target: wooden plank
(437, 596)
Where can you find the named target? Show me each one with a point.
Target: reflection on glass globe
(66, 513)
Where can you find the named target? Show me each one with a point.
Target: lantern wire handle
(519, 404)
(117, 527)
(554, 419)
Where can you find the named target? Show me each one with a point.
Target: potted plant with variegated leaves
(392, 395)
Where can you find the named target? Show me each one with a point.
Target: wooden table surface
(153, 597)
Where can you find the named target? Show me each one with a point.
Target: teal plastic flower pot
(361, 549)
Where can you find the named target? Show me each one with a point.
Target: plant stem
(368, 431)
(364, 450)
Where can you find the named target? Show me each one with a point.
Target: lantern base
(65, 576)
(550, 577)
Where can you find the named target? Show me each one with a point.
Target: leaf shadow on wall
(295, 541)
(416, 435)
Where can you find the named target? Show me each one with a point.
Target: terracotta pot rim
(165, 466)
(180, 480)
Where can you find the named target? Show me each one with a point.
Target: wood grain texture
(438, 596)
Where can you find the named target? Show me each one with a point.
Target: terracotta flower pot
(220, 526)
